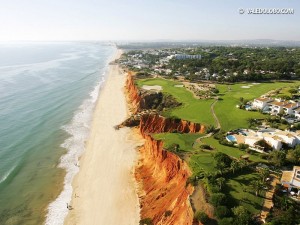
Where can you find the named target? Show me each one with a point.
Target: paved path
(214, 114)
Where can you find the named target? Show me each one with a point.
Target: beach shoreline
(105, 190)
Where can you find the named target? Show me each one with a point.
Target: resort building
(273, 140)
(288, 138)
(262, 103)
(274, 137)
(277, 107)
(251, 140)
(291, 179)
(290, 107)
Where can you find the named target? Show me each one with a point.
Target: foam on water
(78, 129)
(6, 175)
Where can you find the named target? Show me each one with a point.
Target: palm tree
(264, 173)
(257, 186)
(220, 181)
(251, 122)
(220, 168)
(234, 166)
(242, 164)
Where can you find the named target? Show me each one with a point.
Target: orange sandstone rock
(133, 93)
(165, 195)
(154, 123)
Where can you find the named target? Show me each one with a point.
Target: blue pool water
(231, 138)
(248, 107)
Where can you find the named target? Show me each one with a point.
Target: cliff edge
(164, 194)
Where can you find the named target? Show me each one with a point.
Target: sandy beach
(104, 190)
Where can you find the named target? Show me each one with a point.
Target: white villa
(289, 108)
(261, 103)
(277, 106)
(251, 140)
(273, 140)
(291, 179)
(288, 138)
(274, 137)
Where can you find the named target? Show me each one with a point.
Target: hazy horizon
(133, 20)
(150, 40)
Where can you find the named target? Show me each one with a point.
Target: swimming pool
(248, 107)
(231, 138)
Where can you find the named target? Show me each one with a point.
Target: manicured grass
(185, 141)
(193, 109)
(198, 162)
(240, 189)
(285, 91)
(231, 151)
(231, 117)
(203, 161)
(237, 185)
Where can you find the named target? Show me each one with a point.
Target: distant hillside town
(222, 64)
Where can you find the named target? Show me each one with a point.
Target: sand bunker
(245, 86)
(153, 87)
(178, 85)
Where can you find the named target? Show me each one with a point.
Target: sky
(145, 20)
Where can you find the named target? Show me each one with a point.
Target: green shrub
(226, 221)
(192, 180)
(218, 199)
(168, 213)
(219, 135)
(201, 217)
(243, 146)
(223, 141)
(146, 221)
(221, 211)
(262, 156)
(207, 147)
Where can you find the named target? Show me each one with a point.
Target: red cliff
(154, 123)
(165, 195)
(133, 93)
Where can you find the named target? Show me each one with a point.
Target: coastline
(104, 190)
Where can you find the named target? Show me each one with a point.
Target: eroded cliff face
(148, 100)
(133, 93)
(165, 195)
(154, 123)
(163, 175)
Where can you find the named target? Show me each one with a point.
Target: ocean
(47, 95)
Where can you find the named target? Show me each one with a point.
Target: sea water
(47, 95)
